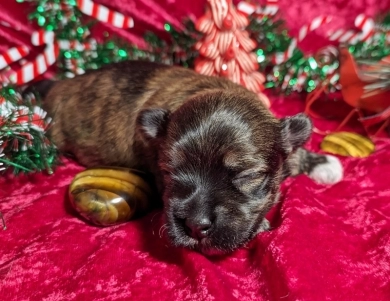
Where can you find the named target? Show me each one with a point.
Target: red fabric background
(328, 243)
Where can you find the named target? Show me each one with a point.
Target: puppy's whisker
(162, 229)
(154, 215)
(165, 229)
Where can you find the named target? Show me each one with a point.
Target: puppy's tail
(41, 88)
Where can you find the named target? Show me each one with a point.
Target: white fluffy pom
(329, 172)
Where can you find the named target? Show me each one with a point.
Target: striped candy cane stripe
(279, 58)
(43, 61)
(37, 119)
(270, 9)
(66, 45)
(219, 10)
(33, 69)
(41, 37)
(104, 14)
(13, 54)
(205, 67)
(246, 8)
(366, 26)
(313, 25)
(37, 67)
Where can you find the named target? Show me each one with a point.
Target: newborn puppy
(217, 154)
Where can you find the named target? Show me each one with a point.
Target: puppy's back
(95, 113)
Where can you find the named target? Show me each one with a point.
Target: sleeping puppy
(217, 154)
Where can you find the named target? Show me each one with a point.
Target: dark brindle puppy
(218, 156)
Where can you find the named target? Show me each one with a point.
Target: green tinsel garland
(23, 146)
(65, 19)
(272, 37)
(271, 34)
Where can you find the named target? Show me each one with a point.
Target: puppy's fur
(215, 152)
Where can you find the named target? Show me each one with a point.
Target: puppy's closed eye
(251, 181)
(182, 190)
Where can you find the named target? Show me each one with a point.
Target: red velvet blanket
(327, 243)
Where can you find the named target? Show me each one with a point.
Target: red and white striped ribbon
(13, 54)
(104, 14)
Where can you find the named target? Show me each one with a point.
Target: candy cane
(13, 54)
(104, 14)
(366, 26)
(42, 62)
(313, 25)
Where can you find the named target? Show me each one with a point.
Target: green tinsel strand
(271, 36)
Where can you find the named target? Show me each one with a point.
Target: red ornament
(230, 54)
(228, 22)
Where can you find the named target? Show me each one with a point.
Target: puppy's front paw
(329, 172)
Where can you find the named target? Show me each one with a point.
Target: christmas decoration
(289, 68)
(23, 145)
(70, 46)
(365, 86)
(12, 55)
(270, 9)
(66, 37)
(104, 14)
(366, 25)
(225, 49)
(43, 61)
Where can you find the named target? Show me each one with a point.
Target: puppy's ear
(296, 130)
(152, 122)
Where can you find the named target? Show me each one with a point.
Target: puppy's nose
(198, 228)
